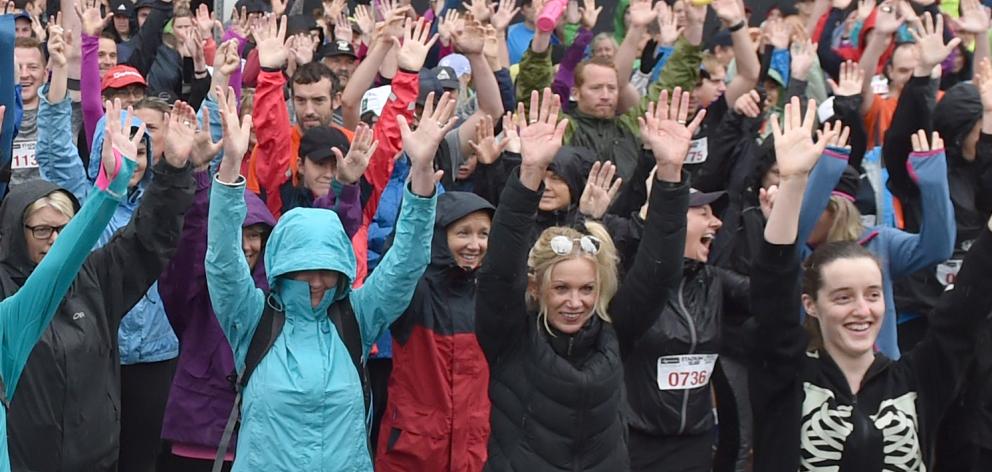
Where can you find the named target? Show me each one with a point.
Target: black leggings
(144, 391)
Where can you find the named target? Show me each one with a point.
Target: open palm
(541, 137)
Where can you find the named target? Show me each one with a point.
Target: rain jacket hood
(13, 248)
(451, 207)
(955, 116)
(572, 164)
(310, 239)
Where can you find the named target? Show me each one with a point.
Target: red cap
(121, 76)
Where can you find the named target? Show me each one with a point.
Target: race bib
(685, 371)
(23, 156)
(698, 151)
(947, 271)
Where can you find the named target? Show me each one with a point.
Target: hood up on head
(573, 164)
(451, 207)
(955, 116)
(13, 248)
(310, 239)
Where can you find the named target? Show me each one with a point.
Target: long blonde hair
(847, 225)
(542, 260)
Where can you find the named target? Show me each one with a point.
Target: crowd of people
(719, 242)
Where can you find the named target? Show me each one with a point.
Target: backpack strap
(266, 332)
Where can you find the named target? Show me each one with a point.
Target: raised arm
(235, 299)
(57, 156)
(362, 80)
(92, 23)
(500, 309)
(470, 42)
(388, 291)
(887, 22)
(731, 13)
(656, 271)
(26, 314)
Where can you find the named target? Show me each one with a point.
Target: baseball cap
(446, 77)
(458, 63)
(316, 143)
(121, 76)
(338, 47)
(375, 100)
(714, 199)
(847, 186)
(122, 8)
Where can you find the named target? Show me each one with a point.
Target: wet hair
(813, 277)
(57, 200)
(709, 64)
(30, 43)
(847, 225)
(580, 75)
(542, 260)
(153, 103)
(247, 104)
(313, 72)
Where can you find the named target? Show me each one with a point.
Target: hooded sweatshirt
(571, 164)
(201, 396)
(437, 415)
(303, 407)
(68, 417)
(32, 293)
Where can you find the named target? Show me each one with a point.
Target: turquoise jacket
(25, 315)
(303, 408)
(145, 334)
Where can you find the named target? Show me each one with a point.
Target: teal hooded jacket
(303, 408)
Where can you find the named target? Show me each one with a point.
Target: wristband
(738, 26)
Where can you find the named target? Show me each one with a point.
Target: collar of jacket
(586, 118)
(576, 347)
(839, 382)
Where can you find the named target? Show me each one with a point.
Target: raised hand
(237, 134)
(342, 28)
(795, 151)
(334, 8)
(974, 17)
(239, 22)
(364, 20)
(590, 13)
(730, 12)
(449, 23)
(279, 7)
(417, 41)
(803, 56)
(351, 167)
(270, 37)
(664, 130)
(835, 134)
(920, 144)
(181, 127)
(865, 8)
(491, 47)
(777, 34)
(748, 104)
(117, 136)
(851, 78)
(641, 13)
(510, 134)
(504, 14)
(487, 150)
(204, 22)
(92, 22)
(226, 59)
(888, 20)
(668, 25)
(766, 199)
(471, 38)
(421, 145)
(600, 190)
(480, 10)
(56, 42)
(204, 148)
(301, 45)
(930, 41)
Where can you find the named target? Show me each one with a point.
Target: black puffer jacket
(689, 324)
(66, 415)
(556, 398)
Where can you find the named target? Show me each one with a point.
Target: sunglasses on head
(563, 245)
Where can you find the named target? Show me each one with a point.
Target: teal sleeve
(209, 108)
(58, 159)
(235, 299)
(822, 180)
(26, 314)
(388, 291)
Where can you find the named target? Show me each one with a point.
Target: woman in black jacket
(842, 406)
(548, 322)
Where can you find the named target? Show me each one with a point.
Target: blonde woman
(555, 324)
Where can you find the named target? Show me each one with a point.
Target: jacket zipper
(692, 349)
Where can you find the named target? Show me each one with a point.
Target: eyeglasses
(563, 245)
(44, 232)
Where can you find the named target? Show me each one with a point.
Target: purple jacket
(201, 397)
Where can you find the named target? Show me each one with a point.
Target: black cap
(337, 47)
(316, 143)
(296, 24)
(142, 4)
(714, 199)
(122, 8)
(847, 186)
(446, 77)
